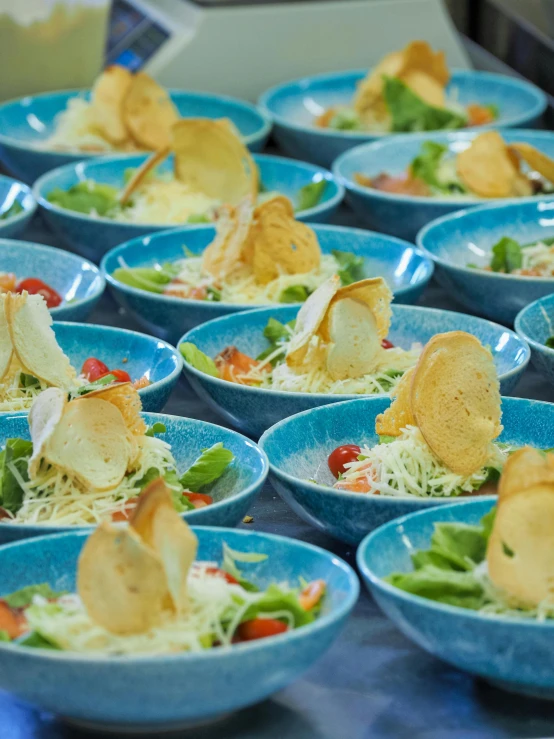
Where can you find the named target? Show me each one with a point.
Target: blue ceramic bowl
(467, 237)
(145, 355)
(511, 653)
(253, 410)
(405, 215)
(298, 448)
(93, 237)
(170, 691)
(27, 122)
(77, 280)
(294, 105)
(233, 493)
(170, 317)
(12, 192)
(535, 324)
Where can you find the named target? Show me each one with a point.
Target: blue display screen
(133, 37)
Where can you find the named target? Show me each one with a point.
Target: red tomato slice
(221, 573)
(93, 369)
(34, 286)
(386, 344)
(12, 620)
(125, 514)
(120, 375)
(341, 456)
(260, 628)
(199, 500)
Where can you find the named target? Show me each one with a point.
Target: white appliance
(240, 49)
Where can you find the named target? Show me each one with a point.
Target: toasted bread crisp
(131, 579)
(34, 341)
(149, 113)
(226, 252)
(520, 555)
(455, 400)
(45, 414)
(399, 413)
(6, 346)
(142, 172)
(486, 167)
(425, 87)
(126, 399)
(538, 161)
(210, 158)
(108, 94)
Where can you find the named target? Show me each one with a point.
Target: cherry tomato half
(221, 573)
(199, 500)
(34, 286)
(120, 375)
(342, 455)
(93, 369)
(386, 344)
(259, 628)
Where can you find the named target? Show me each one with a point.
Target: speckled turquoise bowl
(535, 324)
(233, 493)
(75, 279)
(149, 693)
(514, 654)
(12, 192)
(298, 448)
(253, 410)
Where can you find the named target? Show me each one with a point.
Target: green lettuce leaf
(294, 294)
(151, 279)
(199, 218)
(14, 210)
(276, 600)
(310, 195)
(37, 641)
(86, 197)
(410, 113)
(351, 267)
(442, 585)
(550, 342)
(506, 255)
(24, 597)
(276, 333)
(346, 119)
(427, 162)
(155, 429)
(209, 466)
(92, 386)
(18, 453)
(28, 381)
(4, 636)
(198, 359)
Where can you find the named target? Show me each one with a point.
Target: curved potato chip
(224, 255)
(520, 555)
(455, 400)
(91, 442)
(149, 113)
(107, 97)
(425, 87)
(121, 582)
(309, 319)
(399, 413)
(538, 161)
(124, 396)
(211, 159)
(418, 55)
(168, 535)
(376, 294)
(486, 167)
(6, 346)
(45, 414)
(279, 244)
(34, 341)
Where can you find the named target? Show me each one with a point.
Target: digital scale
(240, 48)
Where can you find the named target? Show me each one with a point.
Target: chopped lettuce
(199, 218)
(28, 381)
(14, 210)
(427, 162)
(275, 602)
(152, 279)
(351, 266)
(346, 119)
(410, 113)
(506, 255)
(155, 429)
(209, 467)
(550, 342)
(14, 461)
(87, 197)
(37, 641)
(294, 294)
(92, 386)
(276, 333)
(445, 571)
(4, 636)
(198, 359)
(310, 195)
(24, 597)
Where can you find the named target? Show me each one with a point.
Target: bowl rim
(265, 101)
(28, 211)
(239, 307)
(347, 397)
(71, 257)
(426, 232)
(246, 493)
(533, 343)
(374, 581)
(265, 121)
(340, 611)
(460, 203)
(120, 159)
(375, 500)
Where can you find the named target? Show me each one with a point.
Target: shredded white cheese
(76, 130)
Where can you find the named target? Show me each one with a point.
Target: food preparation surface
(373, 683)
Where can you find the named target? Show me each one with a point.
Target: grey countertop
(373, 682)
